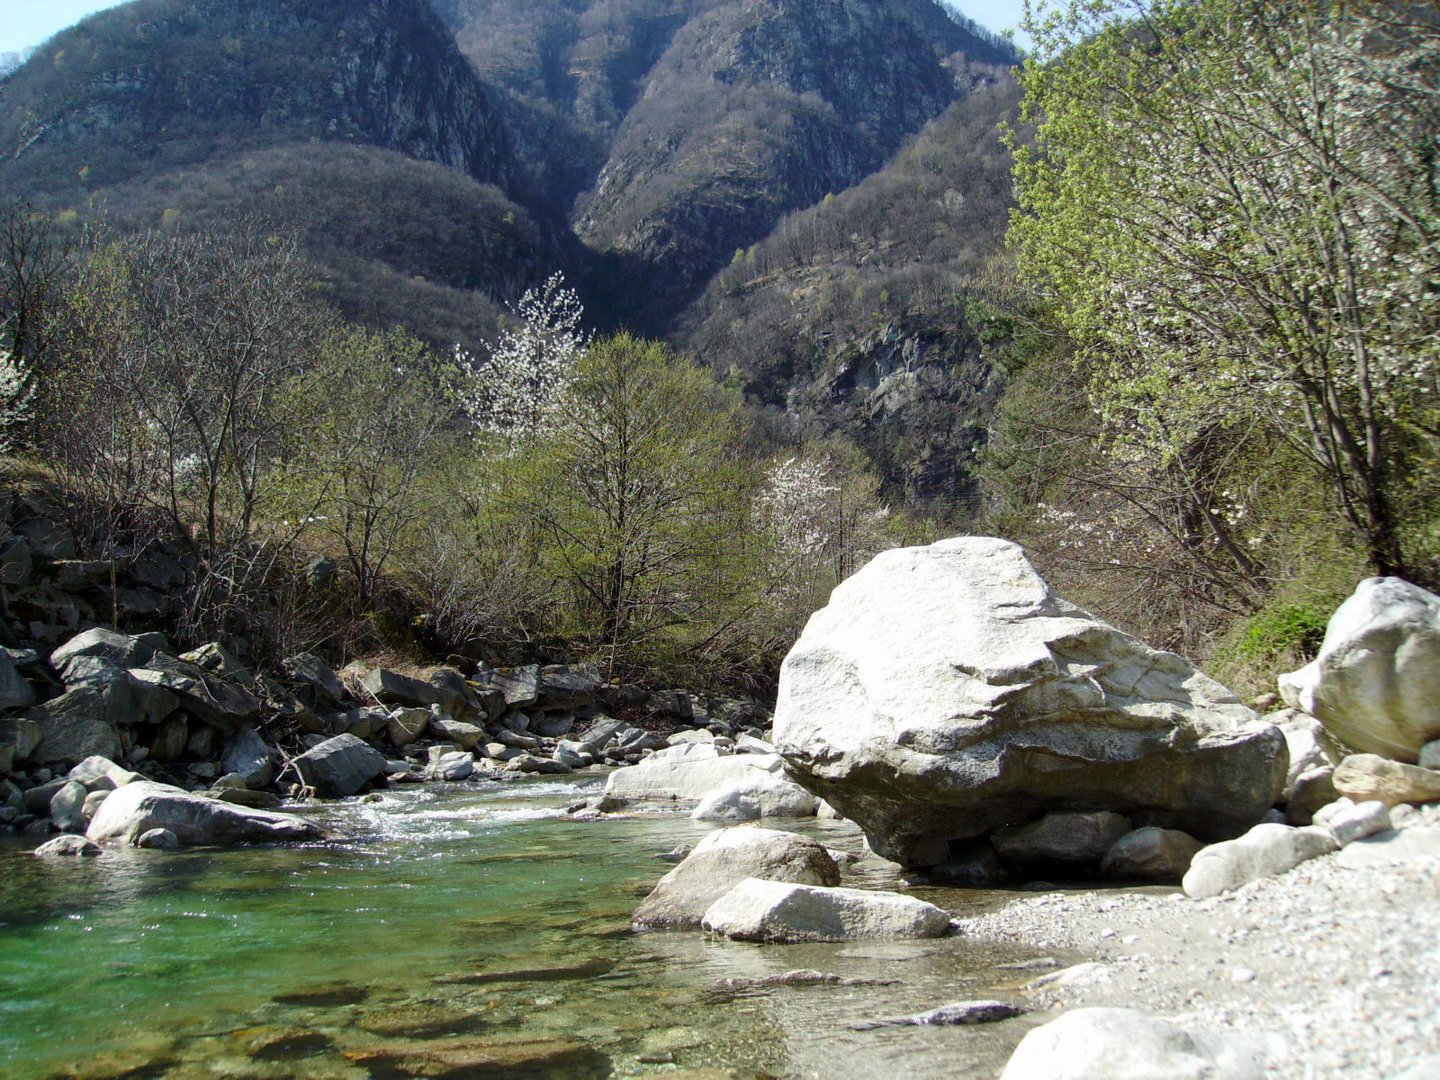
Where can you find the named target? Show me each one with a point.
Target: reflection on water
(460, 930)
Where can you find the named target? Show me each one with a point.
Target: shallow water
(459, 930)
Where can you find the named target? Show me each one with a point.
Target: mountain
(438, 158)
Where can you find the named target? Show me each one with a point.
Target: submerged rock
(946, 691)
(721, 861)
(1376, 679)
(135, 809)
(959, 1012)
(757, 910)
(69, 845)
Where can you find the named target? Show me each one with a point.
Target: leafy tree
(1236, 210)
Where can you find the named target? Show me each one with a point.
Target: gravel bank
(1342, 959)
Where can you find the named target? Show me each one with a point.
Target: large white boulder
(690, 775)
(757, 910)
(725, 858)
(946, 691)
(133, 810)
(1264, 851)
(1376, 680)
(1123, 1044)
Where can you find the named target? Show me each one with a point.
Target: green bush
(1299, 628)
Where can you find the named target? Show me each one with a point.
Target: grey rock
(309, 670)
(71, 845)
(364, 723)
(1430, 755)
(86, 655)
(755, 795)
(1308, 745)
(93, 802)
(339, 766)
(1355, 822)
(204, 741)
(456, 697)
(674, 703)
(392, 688)
(1151, 854)
(721, 861)
(601, 733)
(1103, 1044)
(451, 767)
(167, 741)
(17, 563)
(15, 690)
(407, 725)
(135, 809)
(529, 763)
(218, 660)
(946, 691)
(691, 775)
(466, 736)
(101, 774)
(77, 724)
(37, 798)
(519, 686)
(1375, 681)
(243, 796)
(24, 735)
(1062, 837)
(566, 686)
(46, 536)
(1398, 846)
(522, 742)
(158, 840)
(959, 1012)
(757, 910)
(553, 725)
(250, 757)
(1264, 851)
(67, 807)
(569, 754)
(209, 698)
(1312, 790)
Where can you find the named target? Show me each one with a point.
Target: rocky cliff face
(158, 82)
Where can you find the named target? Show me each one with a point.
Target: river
(452, 930)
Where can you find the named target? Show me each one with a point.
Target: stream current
(454, 930)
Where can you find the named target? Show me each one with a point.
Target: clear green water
(467, 931)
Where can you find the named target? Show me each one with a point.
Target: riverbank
(1340, 956)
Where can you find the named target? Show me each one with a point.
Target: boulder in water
(757, 910)
(947, 691)
(135, 809)
(340, 766)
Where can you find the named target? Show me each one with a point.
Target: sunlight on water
(452, 927)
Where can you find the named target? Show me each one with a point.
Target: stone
(101, 774)
(507, 737)
(15, 690)
(244, 796)
(474, 1056)
(721, 861)
(204, 741)
(1430, 755)
(392, 688)
(17, 563)
(1386, 849)
(452, 767)
(567, 686)
(573, 758)
(364, 723)
(553, 725)
(956, 1013)
(67, 807)
(85, 656)
(946, 691)
(1264, 851)
(69, 844)
(1355, 821)
(674, 703)
(76, 725)
(456, 696)
(754, 796)
(92, 805)
(1106, 1044)
(37, 798)
(694, 735)
(208, 698)
(519, 686)
(1308, 745)
(218, 660)
(309, 670)
(1376, 678)
(601, 733)
(1363, 777)
(1313, 789)
(1080, 839)
(691, 777)
(158, 840)
(758, 910)
(1151, 854)
(407, 725)
(250, 757)
(135, 809)
(167, 742)
(23, 734)
(339, 766)
(466, 736)
(529, 763)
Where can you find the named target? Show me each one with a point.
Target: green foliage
(1295, 628)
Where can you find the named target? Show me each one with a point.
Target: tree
(34, 262)
(1235, 208)
(365, 426)
(637, 491)
(514, 389)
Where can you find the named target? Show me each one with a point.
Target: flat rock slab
(451, 1059)
(1403, 845)
(1363, 777)
(757, 910)
(956, 1013)
(691, 777)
